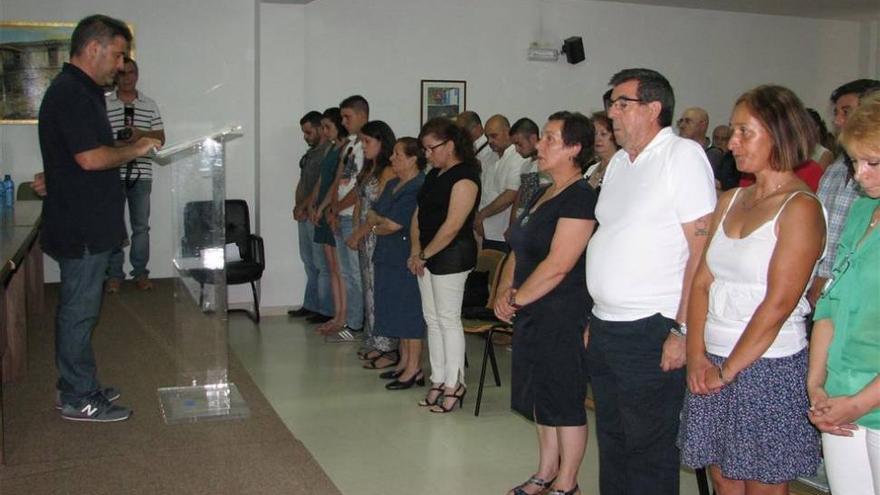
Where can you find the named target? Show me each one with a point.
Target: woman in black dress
(443, 251)
(543, 291)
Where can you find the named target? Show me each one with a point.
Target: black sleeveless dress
(549, 372)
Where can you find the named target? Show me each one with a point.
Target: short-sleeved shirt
(310, 169)
(146, 117)
(837, 191)
(851, 302)
(485, 154)
(83, 209)
(352, 159)
(636, 258)
(399, 208)
(461, 253)
(501, 176)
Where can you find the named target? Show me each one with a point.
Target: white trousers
(441, 306)
(853, 463)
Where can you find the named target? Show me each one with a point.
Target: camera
(123, 134)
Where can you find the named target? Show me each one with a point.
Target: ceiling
(822, 9)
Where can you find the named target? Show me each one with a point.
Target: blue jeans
(349, 265)
(318, 296)
(79, 304)
(138, 196)
(637, 406)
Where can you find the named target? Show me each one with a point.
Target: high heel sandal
(371, 364)
(534, 480)
(427, 402)
(459, 399)
(367, 354)
(560, 492)
(417, 379)
(391, 375)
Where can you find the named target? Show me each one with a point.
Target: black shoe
(391, 375)
(318, 318)
(417, 379)
(301, 312)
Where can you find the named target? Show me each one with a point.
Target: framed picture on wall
(31, 55)
(442, 98)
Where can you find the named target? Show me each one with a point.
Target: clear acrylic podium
(203, 390)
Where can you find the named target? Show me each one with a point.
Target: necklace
(755, 203)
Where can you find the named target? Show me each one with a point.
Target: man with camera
(132, 116)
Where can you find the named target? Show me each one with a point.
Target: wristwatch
(422, 256)
(511, 300)
(679, 330)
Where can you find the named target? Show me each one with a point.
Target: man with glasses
(655, 208)
(134, 115)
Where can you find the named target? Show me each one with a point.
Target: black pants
(637, 406)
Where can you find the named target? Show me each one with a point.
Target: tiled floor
(372, 441)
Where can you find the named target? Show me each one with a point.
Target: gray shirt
(310, 170)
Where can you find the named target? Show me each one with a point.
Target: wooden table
(21, 301)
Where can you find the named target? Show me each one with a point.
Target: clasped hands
(835, 415)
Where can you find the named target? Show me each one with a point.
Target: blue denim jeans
(350, 267)
(138, 196)
(79, 304)
(637, 406)
(318, 296)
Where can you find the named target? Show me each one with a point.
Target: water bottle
(8, 191)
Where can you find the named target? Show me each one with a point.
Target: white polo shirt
(497, 178)
(636, 259)
(484, 152)
(352, 158)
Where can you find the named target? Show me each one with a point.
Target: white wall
(196, 60)
(205, 62)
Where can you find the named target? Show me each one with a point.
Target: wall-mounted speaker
(573, 48)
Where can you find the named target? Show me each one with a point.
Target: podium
(203, 391)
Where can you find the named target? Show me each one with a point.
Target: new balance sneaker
(95, 408)
(347, 334)
(110, 393)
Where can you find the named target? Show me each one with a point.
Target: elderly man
(693, 125)
(500, 183)
(471, 123)
(83, 210)
(654, 213)
(720, 137)
(837, 188)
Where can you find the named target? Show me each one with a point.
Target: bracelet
(422, 256)
(511, 300)
(373, 229)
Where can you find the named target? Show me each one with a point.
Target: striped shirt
(146, 117)
(837, 191)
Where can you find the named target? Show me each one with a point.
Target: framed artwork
(31, 55)
(442, 99)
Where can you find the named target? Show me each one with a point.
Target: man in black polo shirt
(83, 209)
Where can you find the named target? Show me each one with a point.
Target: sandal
(368, 354)
(427, 402)
(534, 480)
(371, 364)
(459, 399)
(561, 492)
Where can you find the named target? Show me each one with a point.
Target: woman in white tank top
(745, 413)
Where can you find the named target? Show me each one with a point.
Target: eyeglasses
(432, 148)
(621, 103)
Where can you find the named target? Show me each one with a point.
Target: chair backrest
(26, 192)
(491, 261)
(199, 219)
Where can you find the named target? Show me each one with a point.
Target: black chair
(198, 219)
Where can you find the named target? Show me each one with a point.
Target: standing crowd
(677, 276)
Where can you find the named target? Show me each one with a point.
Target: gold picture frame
(31, 55)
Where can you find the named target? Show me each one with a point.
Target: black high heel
(560, 492)
(534, 480)
(428, 403)
(459, 399)
(417, 379)
(391, 375)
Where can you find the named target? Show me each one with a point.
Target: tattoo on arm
(701, 227)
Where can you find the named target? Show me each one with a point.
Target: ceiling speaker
(573, 48)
